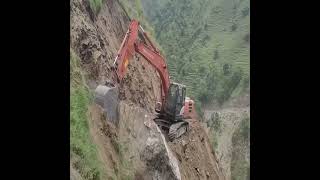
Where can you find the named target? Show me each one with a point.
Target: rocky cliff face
(96, 39)
(134, 147)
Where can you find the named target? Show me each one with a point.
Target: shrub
(95, 5)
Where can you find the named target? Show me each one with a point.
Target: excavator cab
(175, 101)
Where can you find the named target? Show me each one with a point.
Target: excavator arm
(130, 45)
(174, 106)
(158, 62)
(126, 50)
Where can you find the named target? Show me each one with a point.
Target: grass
(242, 134)
(240, 167)
(213, 139)
(200, 38)
(82, 150)
(95, 5)
(216, 122)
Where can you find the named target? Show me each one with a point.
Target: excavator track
(178, 129)
(174, 130)
(162, 123)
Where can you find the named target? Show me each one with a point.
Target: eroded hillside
(134, 147)
(229, 131)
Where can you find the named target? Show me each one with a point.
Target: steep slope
(133, 148)
(195, 154)
(207, 44)
(95, 39)
(229, 132)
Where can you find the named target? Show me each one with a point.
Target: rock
(184, 143)
(197, 169)
(159, 159)
(96, 55)
(207, 174)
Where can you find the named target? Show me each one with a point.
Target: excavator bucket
(107, 98)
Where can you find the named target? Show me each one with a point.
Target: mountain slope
(206, 43)
(228, 129)
(131, 148)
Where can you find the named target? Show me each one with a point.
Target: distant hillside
(134, 9)
(206, 43)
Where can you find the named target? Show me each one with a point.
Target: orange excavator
(173, 108)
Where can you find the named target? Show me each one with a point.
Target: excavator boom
(130, 45)
(172, 94)
(158, 62)
(126, 50)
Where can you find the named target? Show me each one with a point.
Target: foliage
(206, 44)
(243, 132)
(135, 10)
(240, 167)
(82, 150)
(216, 122)
(95, 5)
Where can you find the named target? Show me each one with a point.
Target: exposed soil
(96, 42)
(96, 39)
(194, 152)
(105, 136)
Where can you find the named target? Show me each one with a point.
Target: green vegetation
(83, 152)
(240, 167)
(206, 44)
(215, 123)
(135, 10)
(243, 132)
(213, 139)
(95, 5)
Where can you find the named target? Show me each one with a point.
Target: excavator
(173, 108)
